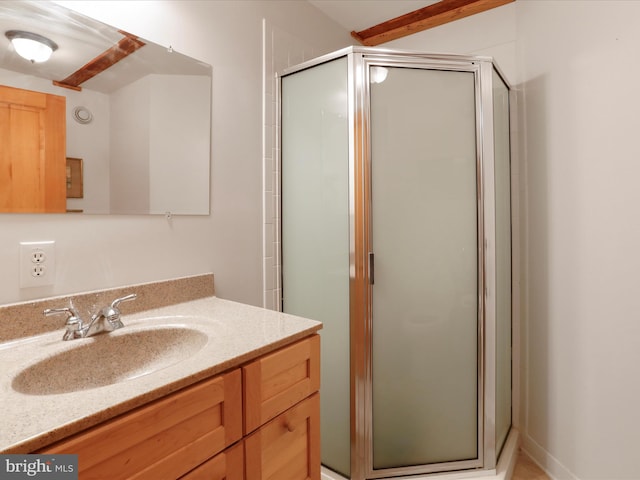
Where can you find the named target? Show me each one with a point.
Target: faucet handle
(70, 311)
(117, 301)
(112, 313)
(73, 322)
(74, 328)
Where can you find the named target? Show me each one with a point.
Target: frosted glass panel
(503, 259)
(315, 233)
(425, 312)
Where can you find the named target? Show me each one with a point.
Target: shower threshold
(504, 470)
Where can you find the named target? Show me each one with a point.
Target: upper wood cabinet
(32, 151)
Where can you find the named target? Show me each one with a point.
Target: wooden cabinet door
(279, 380)
(165, 439)
(288, 447)
(32, 151)
(228, 465)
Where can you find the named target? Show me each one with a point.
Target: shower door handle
(371, 268)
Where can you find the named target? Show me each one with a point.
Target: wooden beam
(64, 85)
(444, 11)
(125, 47)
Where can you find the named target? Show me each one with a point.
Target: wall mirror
(137, 114)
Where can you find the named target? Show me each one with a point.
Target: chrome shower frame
(360, 238)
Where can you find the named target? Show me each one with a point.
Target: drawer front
(164, 439)
(228, 465)
(279, 380)
(288, 447)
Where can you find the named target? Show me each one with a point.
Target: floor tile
(526, 469)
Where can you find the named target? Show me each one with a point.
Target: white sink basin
(106, 359)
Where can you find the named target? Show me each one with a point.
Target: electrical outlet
(37, 264)
(38, 256)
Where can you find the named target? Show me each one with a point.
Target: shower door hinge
(371, 268)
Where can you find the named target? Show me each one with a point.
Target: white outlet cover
(46, 269)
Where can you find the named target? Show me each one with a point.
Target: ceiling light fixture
(31, 46)
(378, 74)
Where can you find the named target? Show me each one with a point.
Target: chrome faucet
(73, 323)
(106, 320)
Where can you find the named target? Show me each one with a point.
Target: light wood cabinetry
(32, 151)
(228, 465)
(165, 439)
(287, 447)
(197, 433)
(277, 381)
(283, 412)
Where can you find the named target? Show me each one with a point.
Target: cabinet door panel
(228, 465)
(288, 447)
(277, 381)
(165, 439)
(32, 151)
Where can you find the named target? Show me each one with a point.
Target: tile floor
(526, 469)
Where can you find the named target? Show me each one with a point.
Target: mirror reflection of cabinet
(32, 151)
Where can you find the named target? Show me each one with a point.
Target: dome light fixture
(31, 46)
(378, 74)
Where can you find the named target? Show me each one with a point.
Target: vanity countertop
(237, 333)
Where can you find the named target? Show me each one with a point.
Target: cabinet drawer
(164, 439)
(228, 465)
(288, 447)
(279, 380)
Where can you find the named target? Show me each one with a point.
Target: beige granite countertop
(236, 334)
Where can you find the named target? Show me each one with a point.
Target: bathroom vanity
(198, 432)
(243, 404)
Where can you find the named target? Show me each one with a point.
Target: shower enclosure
(396, 233)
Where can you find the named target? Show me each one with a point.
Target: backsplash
(26, 319)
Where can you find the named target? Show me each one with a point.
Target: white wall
(161, 145)
(103, 251)
(579, 66)
(179, 143)
(130, 132)
(90, 142)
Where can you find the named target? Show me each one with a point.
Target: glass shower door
(424, 227)
(315, 234)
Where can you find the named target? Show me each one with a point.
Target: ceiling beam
(439, 13)
(125, 47)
